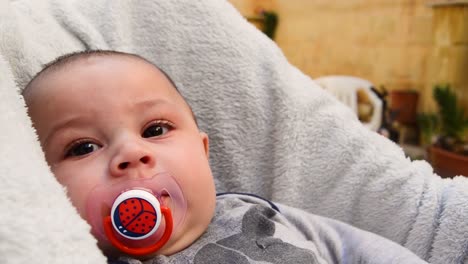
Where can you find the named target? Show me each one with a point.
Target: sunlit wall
(389, 42)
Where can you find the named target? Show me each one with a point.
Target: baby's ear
(206, 143)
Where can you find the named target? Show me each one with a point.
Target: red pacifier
(137, 216)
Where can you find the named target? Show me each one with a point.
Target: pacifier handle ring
(166, 212)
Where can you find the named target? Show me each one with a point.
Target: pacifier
(137, 216)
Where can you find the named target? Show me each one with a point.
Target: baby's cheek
(78, 198)
(77, 188)
(66, 173)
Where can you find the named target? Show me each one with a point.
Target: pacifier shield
(136, 214)
(134, 209)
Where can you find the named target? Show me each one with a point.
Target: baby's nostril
(123, 165)
(145, 159)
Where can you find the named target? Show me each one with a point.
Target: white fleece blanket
(272, 131)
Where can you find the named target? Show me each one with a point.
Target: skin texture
(106, 118)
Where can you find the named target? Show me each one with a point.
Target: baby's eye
(156, 130)
(82, 148)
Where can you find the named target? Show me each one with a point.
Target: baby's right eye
(81, 148)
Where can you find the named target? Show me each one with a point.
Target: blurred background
(401, 65)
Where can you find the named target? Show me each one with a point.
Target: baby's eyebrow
(73, 121)
(173, 105)
(148, 103)
(80, 120)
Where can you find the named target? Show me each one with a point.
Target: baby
(123, 141)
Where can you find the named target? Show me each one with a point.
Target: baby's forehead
(64, 68)
(67, 67)
(81, 62)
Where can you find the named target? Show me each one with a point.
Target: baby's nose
(125, 164)
(132, 158)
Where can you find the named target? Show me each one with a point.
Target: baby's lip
(138, 188)
(166, 199)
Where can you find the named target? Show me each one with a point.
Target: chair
(345, 88)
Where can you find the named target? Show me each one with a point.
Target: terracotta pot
(405, 105)
(448, 164)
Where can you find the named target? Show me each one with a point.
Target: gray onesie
(249, 229)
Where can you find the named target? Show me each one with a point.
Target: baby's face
(104, 119)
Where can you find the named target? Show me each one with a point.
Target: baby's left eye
(156, 130)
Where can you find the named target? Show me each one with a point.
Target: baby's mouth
(166, 199)
(105, 210)
(163, 187)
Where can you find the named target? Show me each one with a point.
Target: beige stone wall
(449, 56)
(388, 42)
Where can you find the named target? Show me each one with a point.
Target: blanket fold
(272, 131)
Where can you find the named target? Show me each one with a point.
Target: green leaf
(452, 116)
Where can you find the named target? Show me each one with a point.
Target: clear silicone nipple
(137, 216)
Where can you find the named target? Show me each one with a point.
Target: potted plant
(404, 104)
(448, 153)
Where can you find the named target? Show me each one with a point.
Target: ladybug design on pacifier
(135, 215)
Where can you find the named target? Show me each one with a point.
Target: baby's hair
(69, 58)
